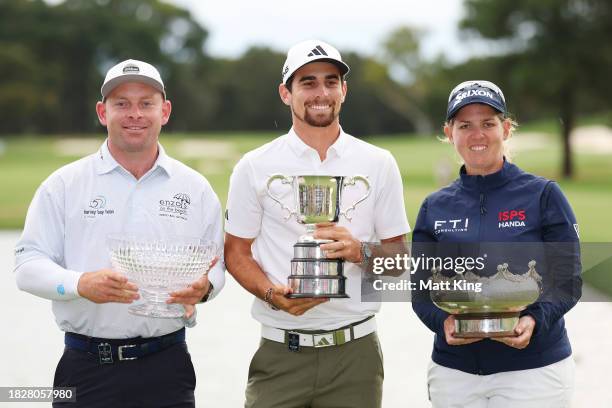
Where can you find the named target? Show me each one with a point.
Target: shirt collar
(105, 162)
(300, 148)
(508, 172)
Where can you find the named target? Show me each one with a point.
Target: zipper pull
(483, 210)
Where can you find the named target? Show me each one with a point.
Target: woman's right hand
(449, 333)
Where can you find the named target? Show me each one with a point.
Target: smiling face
(317, 93)
(133, 114)
(478, 134)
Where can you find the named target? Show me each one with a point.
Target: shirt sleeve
(244, 211)
(214, 232)
(391, 219)
(39, 254)
(423, 244)
(562, 287)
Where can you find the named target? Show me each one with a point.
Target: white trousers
(545, 387)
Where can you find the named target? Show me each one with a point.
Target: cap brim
(115, 82)
(475, 99)
(344, 69)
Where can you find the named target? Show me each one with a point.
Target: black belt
(110, 350)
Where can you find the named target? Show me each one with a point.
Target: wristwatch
(208, 292)
(366, 254)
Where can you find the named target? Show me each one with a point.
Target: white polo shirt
(252, 214)
(75, 210)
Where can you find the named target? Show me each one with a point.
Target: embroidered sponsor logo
(456, 225)
(97, 208)
(177, 207)
(577, 230)
(99, 202)
(472, 92)
(318, 50)
(511, 218)
(131, 68)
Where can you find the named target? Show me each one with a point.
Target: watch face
(367, 250)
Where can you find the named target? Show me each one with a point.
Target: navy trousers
(158, 380)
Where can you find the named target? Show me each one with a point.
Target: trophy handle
(284, 180)
(351, 181)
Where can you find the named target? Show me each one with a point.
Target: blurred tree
(562, 50)
(401, 54)
(246, 92)
(68, 47)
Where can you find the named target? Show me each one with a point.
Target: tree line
(551, 57)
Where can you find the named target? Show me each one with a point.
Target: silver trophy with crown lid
(317, 198)
(486, 306)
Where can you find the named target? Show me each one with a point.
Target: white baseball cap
(310, 51)
(132, 71)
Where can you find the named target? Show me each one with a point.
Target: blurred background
(221, 62)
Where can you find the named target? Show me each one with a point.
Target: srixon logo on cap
(130, 68)
(472, 92)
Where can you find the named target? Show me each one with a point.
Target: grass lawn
(425, 164)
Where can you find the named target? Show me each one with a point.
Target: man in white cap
(114, 358)
(314, 351)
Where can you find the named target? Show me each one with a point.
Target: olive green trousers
(346, 376)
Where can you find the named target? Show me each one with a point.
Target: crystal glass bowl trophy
(494, 310)
(160, 266)
(317, 198)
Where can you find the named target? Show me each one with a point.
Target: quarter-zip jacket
(520, 209)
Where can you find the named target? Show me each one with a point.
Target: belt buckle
(120, 352)
(323, 340)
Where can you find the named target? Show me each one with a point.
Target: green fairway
(425, 163)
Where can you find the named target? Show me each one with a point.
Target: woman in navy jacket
(495, 201)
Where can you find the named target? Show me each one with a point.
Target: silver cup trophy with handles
(160, 266)
(317, 199)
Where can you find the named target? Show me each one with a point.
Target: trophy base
(469, 326)
(312, 295)
(317, 286)
(157, 310)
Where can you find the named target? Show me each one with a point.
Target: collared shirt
(252, 214)
(76, 209)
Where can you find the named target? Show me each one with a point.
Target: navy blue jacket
(514, 207)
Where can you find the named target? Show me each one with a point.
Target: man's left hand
(524, 329)
(345, 247)
(193, 293)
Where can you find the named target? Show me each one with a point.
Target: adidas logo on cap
(318, 50)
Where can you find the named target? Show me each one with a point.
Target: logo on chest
(97, 207)
(511, 218)
(457, 225)
(177, 207)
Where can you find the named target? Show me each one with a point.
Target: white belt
(331, 338)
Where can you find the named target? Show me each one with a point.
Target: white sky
(356, 25)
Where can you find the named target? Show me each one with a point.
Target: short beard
(312, 121)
